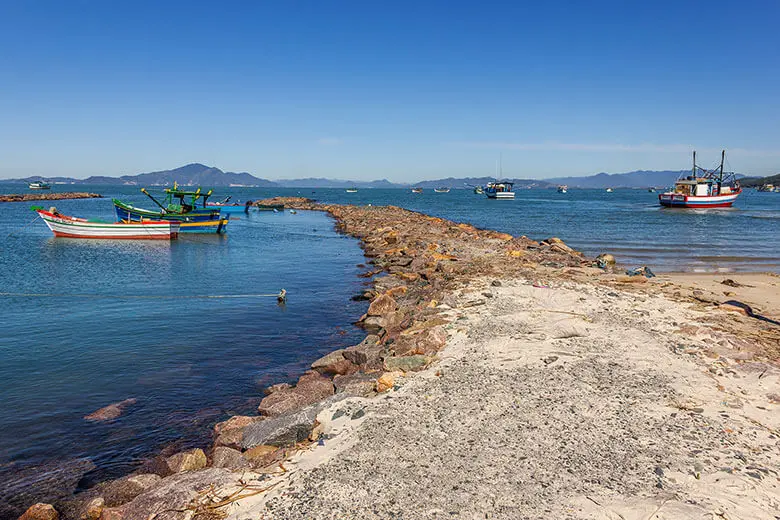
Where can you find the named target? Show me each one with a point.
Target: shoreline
(29, 197)
(424, 262)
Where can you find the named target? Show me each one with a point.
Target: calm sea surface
(192, 361)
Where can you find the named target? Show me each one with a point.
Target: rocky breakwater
(417, 262)
(29, 197)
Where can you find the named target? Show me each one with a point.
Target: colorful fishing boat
(499, 190)
(72, 227)
(39, 185)
(186, 207)
(703, 188)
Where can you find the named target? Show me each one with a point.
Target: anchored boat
(563, 188)
(39, 185)
(226, 207)
(352, 190)
(186, 207)
(499, 190)
(703, 188)
(442, 189)
(72, 227)
(417, 190)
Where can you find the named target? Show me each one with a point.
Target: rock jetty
(29, 197)
(539, 394)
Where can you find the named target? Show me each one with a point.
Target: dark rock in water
(20, 487)
(157, 465)
(40, 511)
(169, 499)
(111, 411)
(125, 489)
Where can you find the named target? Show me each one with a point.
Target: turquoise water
(191, 362)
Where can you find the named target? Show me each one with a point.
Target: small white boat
(417, 190)
(499, 190)
(441, 190)
(563, 188)
(72, 227)
(609, 190)
(351, 190)
(40, 185)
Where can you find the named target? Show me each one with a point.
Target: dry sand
(574, 400)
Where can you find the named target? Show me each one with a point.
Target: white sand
(574, 401)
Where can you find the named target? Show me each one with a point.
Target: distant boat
(479, 190)
(563, 188)
(651, 190)
(499, 190)
(442, 189)
(72, 227)
(226, 207)
(39, 185)
(609, 190)
(769, 188)
(417, 190)
(352, 190)
(703, 188)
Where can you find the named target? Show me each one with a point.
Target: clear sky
(400, 90)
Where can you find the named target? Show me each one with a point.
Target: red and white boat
(72, 227)
(703, 188)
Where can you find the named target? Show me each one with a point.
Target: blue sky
(398, 90)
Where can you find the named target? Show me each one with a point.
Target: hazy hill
(753, 182)
(319, 182)
(636, 179)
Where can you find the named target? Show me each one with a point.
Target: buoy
(282, 297)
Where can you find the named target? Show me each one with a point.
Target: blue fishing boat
(186, 207)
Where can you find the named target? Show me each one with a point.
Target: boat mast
(722, 159)
(694, 164)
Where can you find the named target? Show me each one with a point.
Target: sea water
(182, 328)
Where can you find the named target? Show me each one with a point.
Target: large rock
(367, 355)
(169, 499)
(606, 259)
(286, 429)
(156, 466)
(383, 304)
(359, 384)
(407, 363)
(263, 455)
(40, 511)
(187, 461)
(228, 458)
(335, 364)
(111, 411)
(123, 490)
(311, 387)
(432, 340)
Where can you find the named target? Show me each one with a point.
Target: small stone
(385, 382)
(40, 511)
(495, 283)
(550, 359)
(95, 508)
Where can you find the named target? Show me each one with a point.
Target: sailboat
(703, 188)
(499, 189)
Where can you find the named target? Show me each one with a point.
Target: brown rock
(157, 466)
(367, 355)
(382, 305)
(236, 421)
(95, 508)
(311, 387)
(405, 345)
(123, 490)
(334, 363)
(111, 513)
(187, 461)
(262, 455)
(111, 411)
(357, 384)
(385, 382)
(736, 306)
(275, 388)
(229, 458)
(606, 258)
(280, 403)
(40, 511)
(432, 340)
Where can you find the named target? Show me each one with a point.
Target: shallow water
(191, 361)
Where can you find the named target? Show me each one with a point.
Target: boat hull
(229, 209)
(501, 195)
(69, 227)
(676, 200)
(197, 221)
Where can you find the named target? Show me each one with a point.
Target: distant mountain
(754, 182)
(318, 182)
(195, 174)
(636, 179)
(465, 182)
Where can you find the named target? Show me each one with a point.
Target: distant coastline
(201, 175)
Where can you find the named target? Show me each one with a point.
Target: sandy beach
(500, 378)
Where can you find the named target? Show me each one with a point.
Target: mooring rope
(281, 296)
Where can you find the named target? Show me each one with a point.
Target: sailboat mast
(693, 171)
